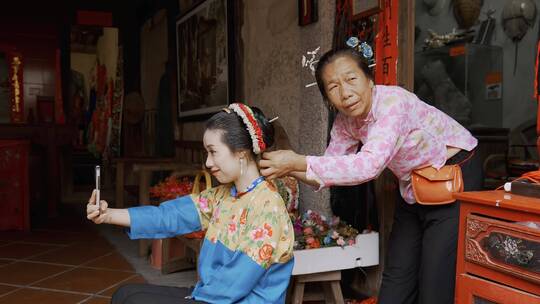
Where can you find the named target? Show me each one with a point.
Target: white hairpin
(273, 119)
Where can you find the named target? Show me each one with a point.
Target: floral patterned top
(247, 254)
(400, 132)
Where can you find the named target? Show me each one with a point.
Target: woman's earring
(241, 166)
(331, 106)
(371, 84)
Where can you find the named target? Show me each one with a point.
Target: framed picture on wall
(186, 5)
(364, 8)
(203, 65)
(308, 12)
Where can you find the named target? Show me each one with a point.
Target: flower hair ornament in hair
(255, 132)
(363, 48)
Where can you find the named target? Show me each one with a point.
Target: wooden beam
(406, 44)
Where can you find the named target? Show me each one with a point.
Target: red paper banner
(16, 81)
(386, 44)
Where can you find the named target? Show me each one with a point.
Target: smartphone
(98, 177)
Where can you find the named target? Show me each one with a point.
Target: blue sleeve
(174, 217)
(242, 280)
(232, 282)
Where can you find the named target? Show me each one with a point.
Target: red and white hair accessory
(252, 126)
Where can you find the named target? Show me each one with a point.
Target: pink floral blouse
(400, 133)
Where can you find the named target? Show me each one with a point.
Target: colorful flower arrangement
(312, 230)
(171, 188)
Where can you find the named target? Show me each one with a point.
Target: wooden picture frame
(364, 8)
(203, 41)
(308, 12)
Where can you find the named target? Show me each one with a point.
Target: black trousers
(421, 258)
(151, 294)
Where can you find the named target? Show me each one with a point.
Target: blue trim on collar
(255, 183)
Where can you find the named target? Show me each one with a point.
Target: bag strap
(460, 158)
(466, 159)
(197, 181)
(471, 153)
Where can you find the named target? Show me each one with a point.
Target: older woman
(402, 133)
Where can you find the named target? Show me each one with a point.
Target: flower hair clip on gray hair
(363, 48)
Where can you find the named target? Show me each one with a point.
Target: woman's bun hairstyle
(266, 126)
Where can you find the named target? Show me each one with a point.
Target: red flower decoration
(171, 188)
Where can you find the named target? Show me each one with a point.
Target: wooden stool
(178, 262)
(330, 281)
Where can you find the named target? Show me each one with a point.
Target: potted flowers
(312, 230)
(323, 245)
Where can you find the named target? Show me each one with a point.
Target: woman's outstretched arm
(106, 215)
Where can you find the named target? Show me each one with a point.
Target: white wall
(107, 50)
(518, 102)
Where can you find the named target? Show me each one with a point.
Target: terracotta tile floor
(65, 262)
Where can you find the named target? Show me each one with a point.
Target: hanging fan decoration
(467, 12)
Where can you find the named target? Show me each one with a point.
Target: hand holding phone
(98, 177)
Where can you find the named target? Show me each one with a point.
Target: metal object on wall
(487, 27)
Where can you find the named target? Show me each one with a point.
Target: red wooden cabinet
(480, 291)
(14, 191)
(498, 257)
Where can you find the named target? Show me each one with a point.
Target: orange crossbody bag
(435, 187)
